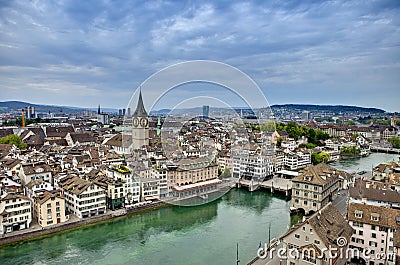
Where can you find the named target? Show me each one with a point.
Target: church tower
(140, 125)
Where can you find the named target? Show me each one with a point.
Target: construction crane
(23, 117)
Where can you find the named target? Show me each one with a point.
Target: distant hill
(8, 106)
(298, 107)
(329, 108)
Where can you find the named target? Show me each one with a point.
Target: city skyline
(90, 53)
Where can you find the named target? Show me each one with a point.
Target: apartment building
(83, 198)
(315, 188)
(15, 212)
(309, 242)
(49, 208)
(250, 166)
(374, 193)
(149, 189)
(374, 228)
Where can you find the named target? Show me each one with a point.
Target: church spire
(140, 110)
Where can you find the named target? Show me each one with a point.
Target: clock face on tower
(143, 122)
(135, 122)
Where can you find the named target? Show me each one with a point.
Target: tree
(324, 157)
(350, 150)
(13, 140)
(226, 173)
(308, 146)
(395, 141)
(317, 158)
(293, 130)
(269, 127)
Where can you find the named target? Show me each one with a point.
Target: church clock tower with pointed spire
(140, 125)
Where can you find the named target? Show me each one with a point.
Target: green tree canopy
(317, 158)
(13, 140)
(226, 173)
(395, 141)
(350, 150)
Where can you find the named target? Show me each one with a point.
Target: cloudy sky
(85, 53)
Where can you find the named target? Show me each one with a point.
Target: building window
(381, 228)
(373, 244)
(374, 217)
(297, 236)
(360, 232)
(358, 214)
(373, 235)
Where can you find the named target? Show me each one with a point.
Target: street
(341, 202)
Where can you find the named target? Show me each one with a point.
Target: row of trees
(18, 121)
(350, 150)
(296, 132)
(13, 140)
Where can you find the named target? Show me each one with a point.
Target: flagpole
(269, 235)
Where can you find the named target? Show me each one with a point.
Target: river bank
(38, 233)
(203, 234)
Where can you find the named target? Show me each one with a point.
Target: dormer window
(358, 214)
(374, 217)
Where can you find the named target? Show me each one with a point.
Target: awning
(198, 185)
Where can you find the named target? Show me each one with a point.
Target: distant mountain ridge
(329, 108)
(7, 106)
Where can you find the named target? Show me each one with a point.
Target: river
(365, 163)
(205, 234)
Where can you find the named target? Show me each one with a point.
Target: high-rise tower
(140, 125)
